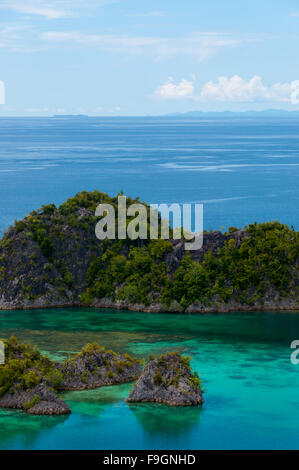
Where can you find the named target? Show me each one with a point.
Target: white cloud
(105, 41)
(2, 92)
(47, 12)
(288, 92)
(53, 9)
(169, 90)
(35, 7)
(199, 45)
(233, 89)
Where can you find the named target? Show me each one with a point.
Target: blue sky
(133, 57)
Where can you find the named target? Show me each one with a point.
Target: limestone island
(52, 258)
(168, 379)
(95, 367)
(32, 382)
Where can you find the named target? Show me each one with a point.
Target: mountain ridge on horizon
(270, 112)
(196, 113)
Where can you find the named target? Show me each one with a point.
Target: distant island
(67, 116)
(274, 113)
(253, 113)
(52, 258)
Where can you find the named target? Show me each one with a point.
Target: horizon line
(172, 114)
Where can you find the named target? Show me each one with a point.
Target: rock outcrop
(95, 367)
(39, 400)
(168, 379)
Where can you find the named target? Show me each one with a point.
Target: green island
(52, 258)
(33, 383)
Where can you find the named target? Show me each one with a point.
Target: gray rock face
(38, 400)
(94, 367)
(168, 380)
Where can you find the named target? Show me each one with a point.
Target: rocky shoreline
(284, 305)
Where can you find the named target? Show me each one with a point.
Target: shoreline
(156, 308)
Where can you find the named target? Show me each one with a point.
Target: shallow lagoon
(244, 360)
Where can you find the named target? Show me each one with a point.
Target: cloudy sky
(132, 57)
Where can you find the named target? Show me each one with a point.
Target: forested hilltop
(53, 258)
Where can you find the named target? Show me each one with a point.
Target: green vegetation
(267, 258)
(109, 358)
(29, 404)
(179, 366)
(24, 367)
(134, 278)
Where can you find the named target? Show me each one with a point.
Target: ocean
(243, 169)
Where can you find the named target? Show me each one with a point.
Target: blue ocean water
(243, 169)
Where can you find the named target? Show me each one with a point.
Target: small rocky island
(168, 379)
(32, 382)
(39, 400)
(95, 367)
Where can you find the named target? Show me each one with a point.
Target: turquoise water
(243, 169)
(251, 398)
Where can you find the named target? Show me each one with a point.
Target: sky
(147, 57)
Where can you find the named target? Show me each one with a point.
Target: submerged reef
(52, 258)
(168, 379)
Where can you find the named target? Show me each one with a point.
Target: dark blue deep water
(242, 169)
